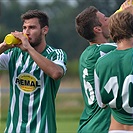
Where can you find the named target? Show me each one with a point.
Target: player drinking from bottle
(35, 70)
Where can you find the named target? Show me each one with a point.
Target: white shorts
(120, 131)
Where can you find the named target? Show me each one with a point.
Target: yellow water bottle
(10, 39)
(119, 10)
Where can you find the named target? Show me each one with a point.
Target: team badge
(27, 83)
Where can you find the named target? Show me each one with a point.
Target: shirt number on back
(112, 84)
(88, 88)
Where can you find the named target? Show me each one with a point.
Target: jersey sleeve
(60, 58)
(4, 60)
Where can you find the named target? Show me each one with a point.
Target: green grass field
(68, 110)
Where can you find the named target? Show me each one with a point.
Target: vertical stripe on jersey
(30, 111)
(20, 112)
(39, 107)
(26, 64)
(46, 126)
(31, 101)
(21, 95)
(14, 97)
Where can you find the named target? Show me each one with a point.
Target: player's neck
(40, 47)
(99, 41)
(125, 44)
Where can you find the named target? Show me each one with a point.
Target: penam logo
(27, 82)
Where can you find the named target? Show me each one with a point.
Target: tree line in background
(62, 33)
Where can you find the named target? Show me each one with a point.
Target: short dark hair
(121, 26)
(86, 21)
(42, 17)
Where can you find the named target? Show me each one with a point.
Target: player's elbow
(57, 75)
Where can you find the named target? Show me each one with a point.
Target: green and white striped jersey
(32, 92)
(93, 118)
(114, 84)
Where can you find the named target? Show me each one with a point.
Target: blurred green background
(62, 34)
(62, 14)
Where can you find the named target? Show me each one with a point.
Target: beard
(37, 41)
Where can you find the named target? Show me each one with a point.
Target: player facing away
(114, 75)
(35, 71)
(92, 25)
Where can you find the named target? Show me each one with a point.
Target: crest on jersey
(27, 83)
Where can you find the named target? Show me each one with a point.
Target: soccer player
(35, 71)
(114, 75)
(92, 25)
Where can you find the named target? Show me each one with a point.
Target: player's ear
(97, 29)
(45, 30)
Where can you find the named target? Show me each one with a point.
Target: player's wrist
(30, 49)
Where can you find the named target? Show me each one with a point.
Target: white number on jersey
(88, 87)
(112, 84)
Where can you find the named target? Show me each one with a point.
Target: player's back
(117, 70)
(92, 115)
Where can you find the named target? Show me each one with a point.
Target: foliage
(62, 15)
(3, 30)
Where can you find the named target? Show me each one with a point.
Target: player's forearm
(49, 68)
(3, 47)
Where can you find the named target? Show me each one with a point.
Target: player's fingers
(124, 5)
(130, 2)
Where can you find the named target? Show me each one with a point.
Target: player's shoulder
(107, 46)
(106, 58)
(51, 49)
(90, 52)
